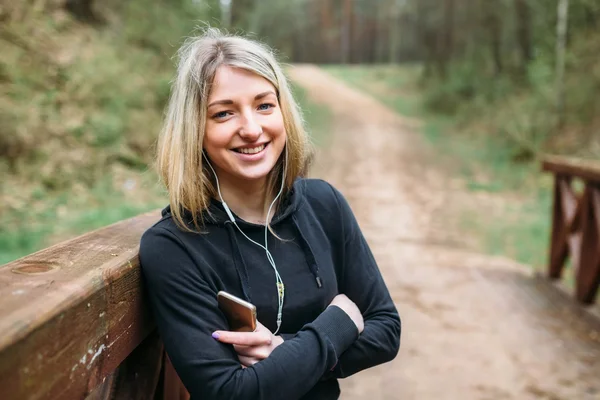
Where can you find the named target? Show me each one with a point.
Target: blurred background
(494, 84)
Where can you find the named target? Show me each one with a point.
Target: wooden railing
(74, 323)
(576, 224)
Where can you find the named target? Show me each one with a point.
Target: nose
(250, 129)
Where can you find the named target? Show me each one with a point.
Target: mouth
(251, 150)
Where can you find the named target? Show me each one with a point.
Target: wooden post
(558, 248)
(566, 223)
(576, 224)
(173, 387)
(588, 274)
(137, 377)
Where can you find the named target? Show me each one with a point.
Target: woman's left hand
(251, 347)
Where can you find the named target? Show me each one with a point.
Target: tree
(561, 37)
(494, 25)
(523, 17)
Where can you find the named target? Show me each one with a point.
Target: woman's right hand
(342, 301)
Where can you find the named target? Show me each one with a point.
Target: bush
(82, 99)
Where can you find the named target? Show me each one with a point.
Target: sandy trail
(474, 326)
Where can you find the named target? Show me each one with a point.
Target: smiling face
(245, 132)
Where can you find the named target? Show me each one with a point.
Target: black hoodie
(323, 253)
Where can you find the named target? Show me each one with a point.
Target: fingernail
(215, 335)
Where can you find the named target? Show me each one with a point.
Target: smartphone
(240, 314)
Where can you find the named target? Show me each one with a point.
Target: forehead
(231, 82)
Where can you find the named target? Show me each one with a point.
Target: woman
(241, 220)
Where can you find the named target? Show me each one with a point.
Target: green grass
(317, 118)
(521, 232)
(60, 216)
(484, 160)
(18, 243)
(80, 128)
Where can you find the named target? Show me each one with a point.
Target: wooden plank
(106, 390)
(173, 387)
(137, 377)
(585, 169)
(588, 274)
(560, 229)
(139, 373)
(71, 313)
(572, 210)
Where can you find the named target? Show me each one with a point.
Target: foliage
(83, 97)
(81, 107)
(484, 162)
(500, 72)
(496, 59)
(83, 91)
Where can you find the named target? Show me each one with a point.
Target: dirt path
(474, 326)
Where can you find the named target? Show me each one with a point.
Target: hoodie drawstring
(238, 260)
(308, 252)
(242, 269)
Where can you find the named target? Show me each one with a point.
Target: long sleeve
(182, 296)
(362, 282)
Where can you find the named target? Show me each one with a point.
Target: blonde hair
(179, 159)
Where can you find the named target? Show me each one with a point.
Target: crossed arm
(253, 347)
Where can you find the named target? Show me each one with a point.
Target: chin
(254, 173)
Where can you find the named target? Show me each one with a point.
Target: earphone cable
(278, 281)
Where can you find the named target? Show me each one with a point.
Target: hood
(216, 214)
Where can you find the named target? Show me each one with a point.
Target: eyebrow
(257, 97)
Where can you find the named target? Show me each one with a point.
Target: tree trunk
(425, 39)
(369, 48)
(383, 31)
(494, 26)
(523, 12)
(446, 39)
(396, 33)
(561, 38)
(326, 29)
(346, 28)
(356, 36)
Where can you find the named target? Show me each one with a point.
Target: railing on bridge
(74, 325)
(576, 224)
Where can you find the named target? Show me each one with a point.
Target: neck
(246, 198)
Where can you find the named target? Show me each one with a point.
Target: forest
(84, 84)
(535, 60)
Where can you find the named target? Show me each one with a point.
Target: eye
(221, 115)
(265, 106)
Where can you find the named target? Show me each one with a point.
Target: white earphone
(278, 280)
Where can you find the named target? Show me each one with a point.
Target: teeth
(253, 150)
